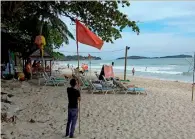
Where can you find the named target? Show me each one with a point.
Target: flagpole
(79, 118)
(78, 53)
(77, 44)
(90, 67)
(78, 71)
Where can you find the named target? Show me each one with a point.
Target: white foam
(165, 72)
(160, 70)
(155, 69)
(96, 67)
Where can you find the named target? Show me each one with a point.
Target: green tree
(58, 56)
(29, 18)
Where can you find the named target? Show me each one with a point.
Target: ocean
(176, 69)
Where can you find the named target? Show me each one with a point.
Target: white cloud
(183, 26)
(159, 10)
(180, 15)
(174, 14)
(148, 44)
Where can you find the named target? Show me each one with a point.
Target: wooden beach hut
(47, 59)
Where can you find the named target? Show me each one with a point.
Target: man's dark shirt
(73, 95)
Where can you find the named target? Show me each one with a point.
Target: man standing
(73, 98)
(113, 64)
(133, 71)
(28, 69)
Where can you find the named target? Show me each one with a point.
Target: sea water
(176, 69)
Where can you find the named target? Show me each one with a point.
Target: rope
(95, 52)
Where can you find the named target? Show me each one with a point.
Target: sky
(166, 28)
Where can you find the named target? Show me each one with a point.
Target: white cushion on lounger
(136, 89)
(98, 86)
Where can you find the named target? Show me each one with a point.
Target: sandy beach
(166, 112)
(141, 51)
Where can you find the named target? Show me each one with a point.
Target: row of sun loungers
(52, 80)
(105, 86)
(113, 85)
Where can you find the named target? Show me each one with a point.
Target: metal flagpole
(78, 72)
(79, 118)
(78, 53)
(79, 87)
(90, 68)
(77, 44)
(90, 64)
(193, 79)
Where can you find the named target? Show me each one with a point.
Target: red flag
(85, 36)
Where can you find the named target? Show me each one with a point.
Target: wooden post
(31, 70)
(45, 64)
(50, 67)
(15, 61)
(43, 61)
(125, 70)
(9, 65)
(193, 79)
(22, 65)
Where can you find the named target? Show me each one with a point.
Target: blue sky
(166, 28)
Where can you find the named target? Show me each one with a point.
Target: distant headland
(74, 57)
(142, 57)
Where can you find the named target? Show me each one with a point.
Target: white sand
(167, 112)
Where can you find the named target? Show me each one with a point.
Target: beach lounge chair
(94, 87)
(97, 75)
(123, 88)
(125, 81)
(116, 78)
(54, 80)
(105, 81)
(108, 82)
(85, 83)
(47, 81)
